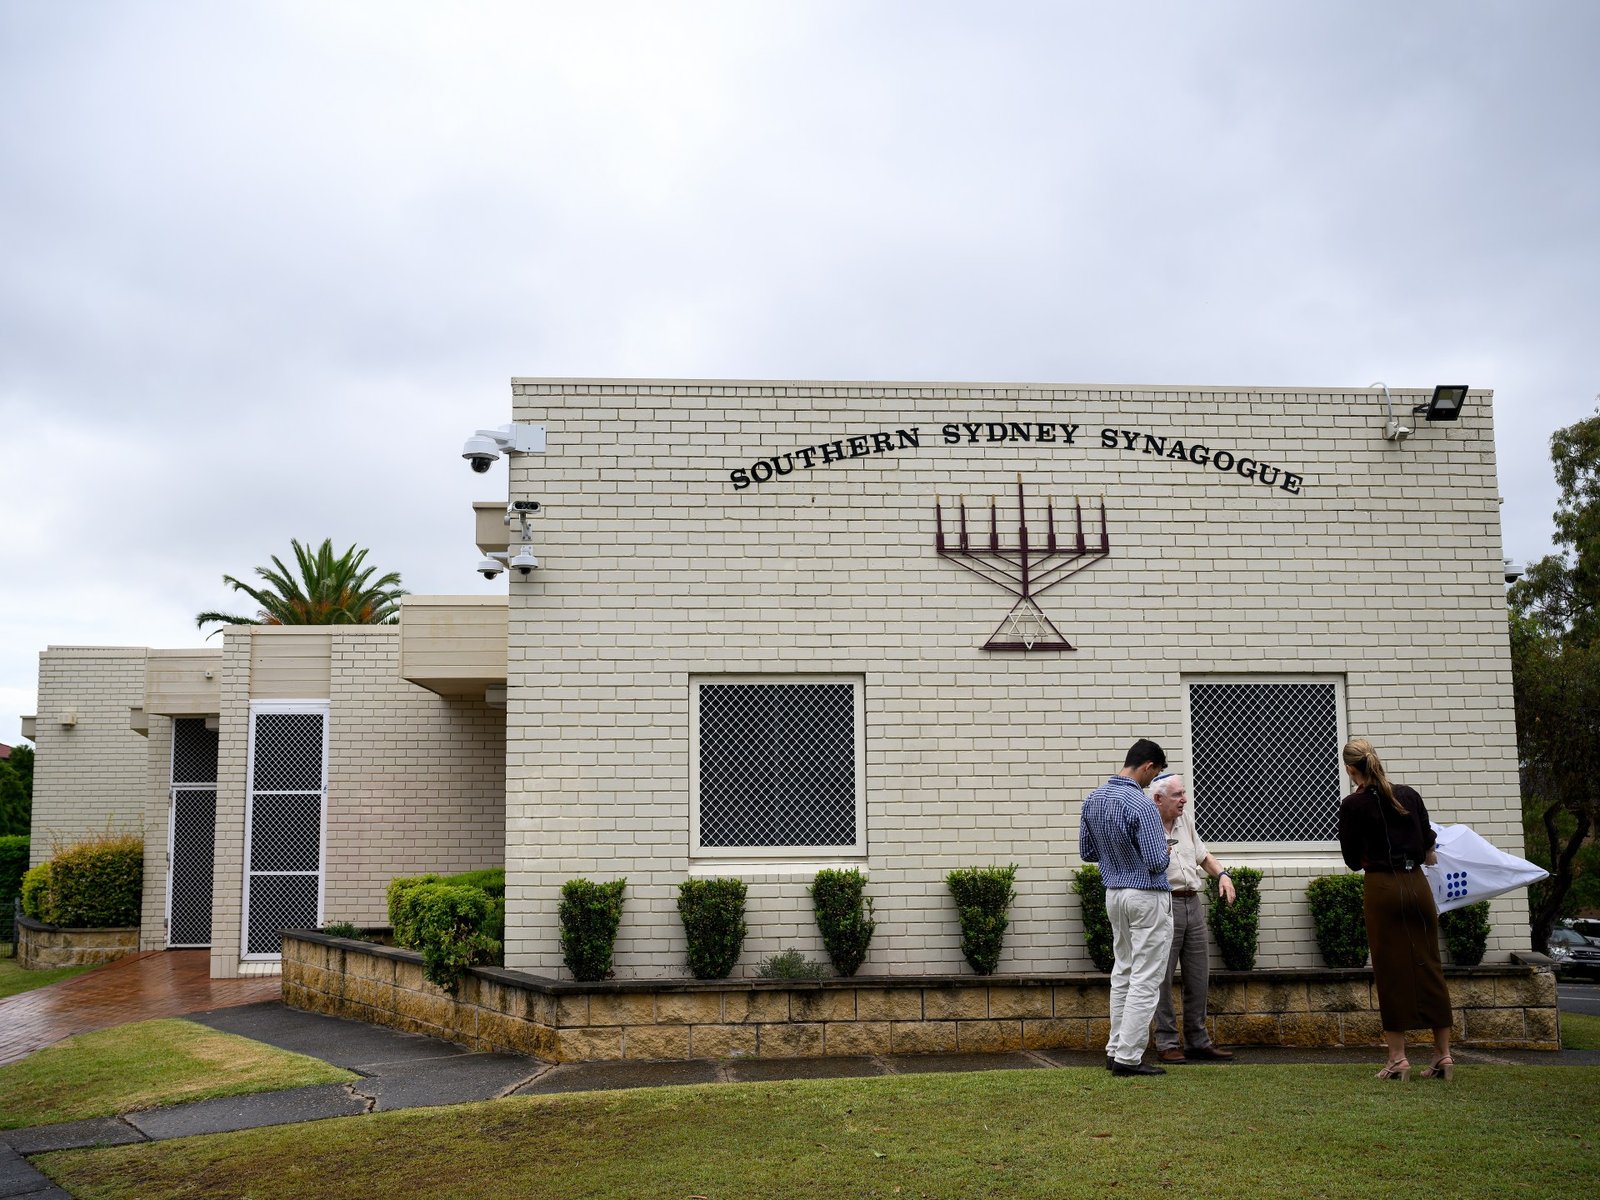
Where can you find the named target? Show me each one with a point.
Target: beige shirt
(1187, 853)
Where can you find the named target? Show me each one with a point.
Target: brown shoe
(1173, 1055)
(1210, 1053)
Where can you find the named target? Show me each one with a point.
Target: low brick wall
(41, 946)
(1495, 1007)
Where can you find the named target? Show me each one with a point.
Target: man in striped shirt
(1120, 828)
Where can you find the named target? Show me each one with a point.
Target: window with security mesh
(777, 765)
(288, 788)
(1265, 760)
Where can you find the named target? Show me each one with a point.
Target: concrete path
(170, 983)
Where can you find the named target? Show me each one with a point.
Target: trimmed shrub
(448, 921)
(13, 866)
(1091, 891)
(402, 916)
(98, 883)
(713, 923)
(1236, 926)
(590, 914)
(789, 964)
(983, 898)
(844, 917)
(35, 892)
(492, 881)
(1340, 924)
(1466, 933)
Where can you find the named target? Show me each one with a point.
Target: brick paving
(158, 983)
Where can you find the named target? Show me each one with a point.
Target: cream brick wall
(416, 782)
(1384, 571)
(157, 818)
(91, 776)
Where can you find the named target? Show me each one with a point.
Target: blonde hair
(1361, 758)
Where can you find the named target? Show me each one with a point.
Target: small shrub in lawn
(590, 914)
(13, 866)
(983, 898)
(789, 964)
(1337, 917)
(1466, 933)
(844, 917)
(1237, 926)
(713, 924)
(1091, 890)
(98, 883)
(35, 893)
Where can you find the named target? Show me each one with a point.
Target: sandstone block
(370, 966)
(572, 1009)
(889, 1004)
(1340, 996)
(988, 1037)
(1532, 989)
(1019, 1002)
(1473, 993)
(789, 1040)
(1274, 998)
(1309, 1029)
(689, 1008)
(655, 1041)
(755, 1008)
(829, 1005)
(622, 1008)
(589, 1043)
(722, 1041)
(1082, 1000)
(1495, 1026)
(1057, 1033)
(1248, 1029)
(1361, 1029)
(856, 1037)
(922, 1037)
(955, 1003)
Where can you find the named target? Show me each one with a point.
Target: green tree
(329, 590)
(1555, 668)
(16, 791)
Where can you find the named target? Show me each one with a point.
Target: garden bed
(1506, 1006)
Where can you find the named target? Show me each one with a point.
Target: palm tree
(329, 591)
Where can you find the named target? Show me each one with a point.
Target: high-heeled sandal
(1398, 1069)
(1441, 1068)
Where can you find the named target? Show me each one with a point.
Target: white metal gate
(284, 821)
(191, 832)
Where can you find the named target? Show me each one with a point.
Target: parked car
(1573, 953)
(1589, 927)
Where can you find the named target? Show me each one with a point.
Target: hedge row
(97, 884)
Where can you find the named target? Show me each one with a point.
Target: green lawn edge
(1259, 1131)
(147, 1064)
(14, 980)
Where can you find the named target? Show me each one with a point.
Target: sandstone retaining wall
(41, 947)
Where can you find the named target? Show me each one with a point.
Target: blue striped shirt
(1121, 830)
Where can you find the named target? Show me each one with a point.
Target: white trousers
(1141, 938)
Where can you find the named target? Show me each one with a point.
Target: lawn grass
(144, 1065)
(1580, 1032)
(1331, 1132)
(13, 979)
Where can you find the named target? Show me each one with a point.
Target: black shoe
(1137, 1069)
(1111, 1063)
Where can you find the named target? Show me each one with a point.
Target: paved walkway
(157, 983)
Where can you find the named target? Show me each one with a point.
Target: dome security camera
(524, 562)
(480, 451)
(489, 568)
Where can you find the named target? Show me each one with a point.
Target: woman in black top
(1384, 831)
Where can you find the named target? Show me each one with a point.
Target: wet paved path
(159, 983)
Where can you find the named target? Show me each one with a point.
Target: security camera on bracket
(523, 561)
(483, 447)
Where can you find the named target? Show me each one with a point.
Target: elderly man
(1189, 863)
(1121, 830)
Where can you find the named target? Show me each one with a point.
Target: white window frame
(1279, 851)
(280, 706)
(767, 854)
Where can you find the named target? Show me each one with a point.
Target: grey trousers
(1189, 945)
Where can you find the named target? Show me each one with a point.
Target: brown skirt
(1403, 930)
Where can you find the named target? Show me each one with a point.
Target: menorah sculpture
(1025, 569)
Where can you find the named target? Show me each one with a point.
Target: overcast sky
(263, 266)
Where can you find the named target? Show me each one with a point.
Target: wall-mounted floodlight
(1446, 403)
(486, 445)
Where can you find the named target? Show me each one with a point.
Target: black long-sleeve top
(1372, 835)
